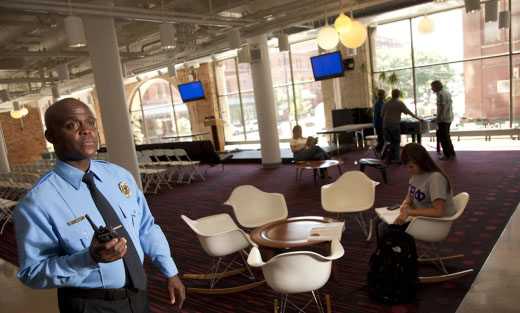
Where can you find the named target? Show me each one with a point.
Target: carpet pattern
(491, 179)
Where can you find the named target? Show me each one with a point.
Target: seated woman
(429, 192)
(306, 150)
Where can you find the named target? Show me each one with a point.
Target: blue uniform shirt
(53, 254)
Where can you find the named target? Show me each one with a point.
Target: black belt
(106, 294)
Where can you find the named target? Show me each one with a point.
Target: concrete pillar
(264, 100)
(106, 66)
(4, 162)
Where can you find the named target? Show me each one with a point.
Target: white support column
(265, 105)
(106, 66)
(4, 162)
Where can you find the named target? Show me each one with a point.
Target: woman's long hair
(297, 132)
(415, 153)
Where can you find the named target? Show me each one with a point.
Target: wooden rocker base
(213, 276)
(443, 259)
(221, 291)
(442, 278)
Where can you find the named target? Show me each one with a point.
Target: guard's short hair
(396, 93)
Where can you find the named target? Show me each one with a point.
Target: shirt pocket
(76, 237)
(130, 213)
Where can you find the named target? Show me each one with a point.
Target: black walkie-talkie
(103, 234)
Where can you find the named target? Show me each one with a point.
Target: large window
(298, 98)
(470, 57)
(156, 110)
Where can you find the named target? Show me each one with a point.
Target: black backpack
(392, 277)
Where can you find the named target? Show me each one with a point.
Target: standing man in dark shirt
(378, 121)
(391, 114)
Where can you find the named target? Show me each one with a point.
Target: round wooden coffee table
(318, 164)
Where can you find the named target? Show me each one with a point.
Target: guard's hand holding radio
(103, 234)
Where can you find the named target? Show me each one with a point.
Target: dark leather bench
(202, 150)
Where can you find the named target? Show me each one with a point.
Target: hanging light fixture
(63, 72)
(244, 56)
(472, 6)
(74, 30)
(4, 94)
(504, 19)
(327, 37)
(172, 71)
(55, 92)
(167, 35)
(426, 25)
(342, 23)
(283, 42)
(234, 40)
(355, 37)
(491, 11)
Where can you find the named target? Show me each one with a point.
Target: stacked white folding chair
(6, 211)
(352, 193)
(219, 237)
(171, 162)
(297, 272)
(186, 166)
(151, 174)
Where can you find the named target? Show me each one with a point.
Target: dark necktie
(131, 258)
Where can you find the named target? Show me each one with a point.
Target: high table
(292, 232)
(197, 136)
(354, 128)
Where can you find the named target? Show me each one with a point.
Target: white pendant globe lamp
(355, 37)
(342, 23)
(327, 37)
(426, 25)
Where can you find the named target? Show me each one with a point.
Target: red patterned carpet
(491, 179)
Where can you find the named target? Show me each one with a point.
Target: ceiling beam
(62, 54)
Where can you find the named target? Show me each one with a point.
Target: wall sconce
(18, 112)
(4, 95)
(74, 31)
(244, 56)
(55, 92)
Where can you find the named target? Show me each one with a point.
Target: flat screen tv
(191, 91)
(327, 66)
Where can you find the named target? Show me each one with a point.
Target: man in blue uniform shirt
(56, 245)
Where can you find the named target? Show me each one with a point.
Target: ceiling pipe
(64, 54)
(115, 12)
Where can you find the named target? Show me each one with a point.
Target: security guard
(57, 246)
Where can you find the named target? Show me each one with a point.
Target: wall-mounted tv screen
(327, 66)
(191, 91)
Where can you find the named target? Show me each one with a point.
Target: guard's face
(74, 133)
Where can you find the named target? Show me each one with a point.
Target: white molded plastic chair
(296, 272)
(352, 192)
(254, 207)
(219, 236)
(431, 230)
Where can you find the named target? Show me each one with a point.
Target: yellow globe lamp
(426, 25)
(342, 23)
(327, 37)
(24, 111)
(355, 37)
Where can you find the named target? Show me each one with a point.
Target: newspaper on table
(327, 231)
